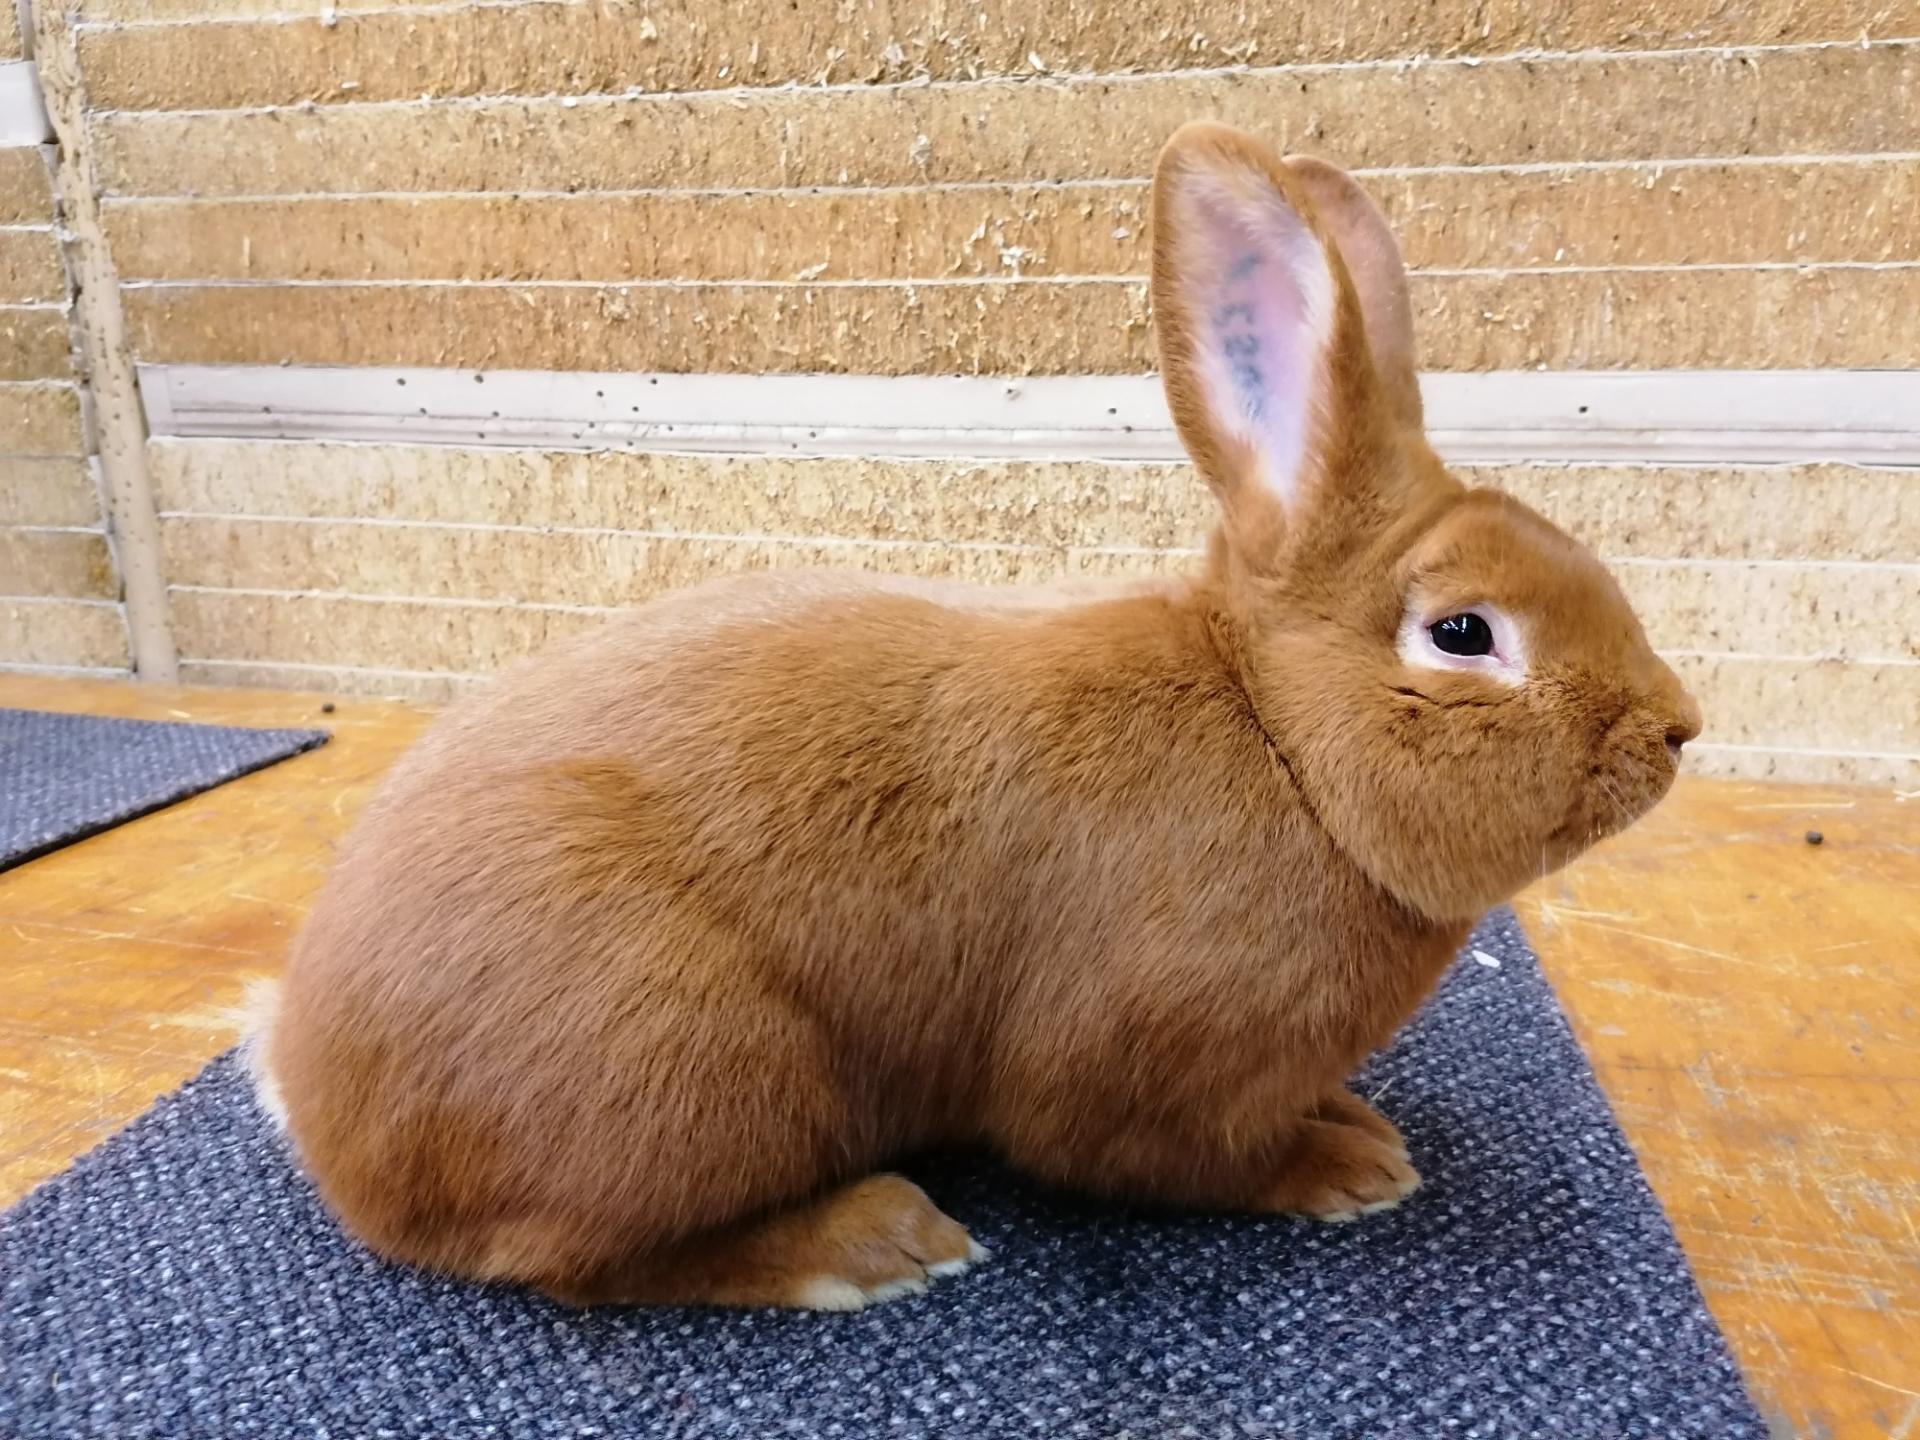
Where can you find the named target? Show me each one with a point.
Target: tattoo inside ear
(1236, 332)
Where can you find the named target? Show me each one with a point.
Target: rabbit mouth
(1626, 775)
(1625, 780)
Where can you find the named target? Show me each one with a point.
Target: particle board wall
(879, 188)
(414, 570)
(891, 188)
(59, 594)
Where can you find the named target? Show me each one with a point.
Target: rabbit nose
(1684, 726)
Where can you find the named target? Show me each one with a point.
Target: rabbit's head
(1462, 693)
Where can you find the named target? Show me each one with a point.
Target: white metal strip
(1684, 417)
(23, 118)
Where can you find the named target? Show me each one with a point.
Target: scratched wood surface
(122, 958)
(1751, 1003)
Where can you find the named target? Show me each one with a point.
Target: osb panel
(1748, 701)
(26, 195)
(1823, 704)
(48, 491)
(1781, 609)
(1655, 319)
(1826, 609)
(1720, 512)
(1047, 327)
(1705, 758)
(1805, 212)
(1641, 215)
(136, 11)
(62, 632)
(602, 569)
(689, 45)
(11, 47)
(34, 344)
(30, 267)
(336, 680)
(1821, 512)
(1673, 319)
(328, 630)
(40, 420)
(1529, 110)
(1043, 503)
(1806, 766)
(1767, 610)
(64, 564)
(1786, 762)
(830, 235)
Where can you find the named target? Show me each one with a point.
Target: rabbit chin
(1630, 773)
(1454, 850)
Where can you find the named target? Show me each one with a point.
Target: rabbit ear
(1372, 256)
(1263, 349)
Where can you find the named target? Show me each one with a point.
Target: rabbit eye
(1484, 641)
(1463, 634)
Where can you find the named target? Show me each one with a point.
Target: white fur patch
(1347, 1217)
(830, 1292)
(976, 1253)
(262, 1004)
(895, 1289)
(833, 1292)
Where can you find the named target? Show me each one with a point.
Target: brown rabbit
(644, 959)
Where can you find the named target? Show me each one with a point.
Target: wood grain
(122, 958)
(1748, 1001)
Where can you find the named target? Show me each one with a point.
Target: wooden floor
(1751, 1003)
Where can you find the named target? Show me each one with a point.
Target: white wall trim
(66, 672)
(1677, 417)
(23, 118)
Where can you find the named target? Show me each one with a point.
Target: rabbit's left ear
(1264, 344)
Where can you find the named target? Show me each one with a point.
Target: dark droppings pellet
(1814, 837)
(326, 707)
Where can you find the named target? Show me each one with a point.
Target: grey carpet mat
(182, 1281)
(65, 777)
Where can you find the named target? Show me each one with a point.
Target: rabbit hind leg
(873, 1240)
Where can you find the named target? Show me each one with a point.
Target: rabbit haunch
(645, 960)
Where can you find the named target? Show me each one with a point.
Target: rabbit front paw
(1345, 1108)
(1340, 1169)
(875, 1241)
